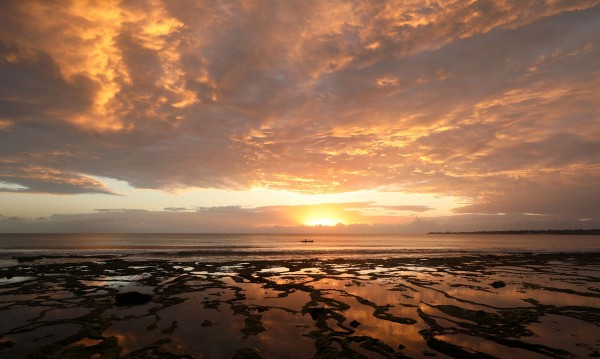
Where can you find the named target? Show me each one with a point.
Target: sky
(405, 116)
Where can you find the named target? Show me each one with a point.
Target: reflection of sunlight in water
(12, 280)
(37, 338)
(215, 341)
(206, 311)
(464, 289)
(123, 283)
(274, 270)
(309, 270)
(285, 331)
(132, 334)
(185, 269)
(86, 342)
(487, 346)
(565, 333)
(389, 332)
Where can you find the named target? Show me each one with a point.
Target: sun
(328, 222)
(326, 215)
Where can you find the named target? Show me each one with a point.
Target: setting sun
(329, 222)
(328, 215)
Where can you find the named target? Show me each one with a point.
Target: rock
(171, 329)
(317, 313)
(498, 284)
(354, 323)
(253, 324)
(27, 259)
(208, 323)
(6, 344)
(132, 298)
(247, 353)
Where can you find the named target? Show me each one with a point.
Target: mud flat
(479, 306)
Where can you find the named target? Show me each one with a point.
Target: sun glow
(323, 215)
(328, 222)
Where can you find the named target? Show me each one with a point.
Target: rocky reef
(521, 305)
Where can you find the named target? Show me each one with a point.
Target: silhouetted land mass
(531, 231)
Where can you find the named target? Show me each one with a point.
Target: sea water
(286, 246)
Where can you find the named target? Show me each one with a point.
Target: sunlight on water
(377, 296)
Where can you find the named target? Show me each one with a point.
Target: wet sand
(479, 306)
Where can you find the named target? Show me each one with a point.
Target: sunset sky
(342, 116)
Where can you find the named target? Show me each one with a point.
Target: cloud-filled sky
(216, 116)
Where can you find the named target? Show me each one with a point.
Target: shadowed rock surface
(498, 284)
(248, 353)
(132, 298)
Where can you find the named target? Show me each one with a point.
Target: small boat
(307, 241)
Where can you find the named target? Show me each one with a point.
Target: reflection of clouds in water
(131, 334)
(219, 340)
(286, 330)
(393, 300)
(122, 283)
(554, 328)
(486, 346)
(37, 338)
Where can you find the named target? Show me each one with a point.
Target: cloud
(176, 209)
(574, 202)
(484, 100)
(409, 208)
(34, 179)
(11, 220)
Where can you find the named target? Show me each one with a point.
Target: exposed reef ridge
(522, 305)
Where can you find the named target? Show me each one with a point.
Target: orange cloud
(5, 125)
(83, 38)
(35, 179)
(470, 99)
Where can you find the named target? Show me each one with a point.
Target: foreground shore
(477, 306)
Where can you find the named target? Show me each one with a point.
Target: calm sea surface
(285, 246)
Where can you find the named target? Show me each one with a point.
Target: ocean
(219, 247)
(373, 296)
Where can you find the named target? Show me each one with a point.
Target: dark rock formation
(208, 323)
(317, 313)
(131, 298)
(498, 284)
(247, 353)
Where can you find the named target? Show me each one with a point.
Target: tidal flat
(473, 306)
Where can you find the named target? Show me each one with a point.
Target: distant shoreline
(532, 231)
